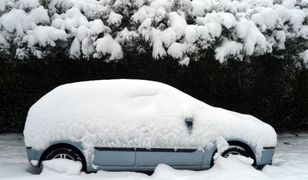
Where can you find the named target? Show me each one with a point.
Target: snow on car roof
(135, 113)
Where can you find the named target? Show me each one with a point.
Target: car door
(185, 158)
(177, 158)
(114, 158)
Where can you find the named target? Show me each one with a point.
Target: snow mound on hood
(61, 166)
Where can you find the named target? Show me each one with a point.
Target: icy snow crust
(177, 28)
(136, 113)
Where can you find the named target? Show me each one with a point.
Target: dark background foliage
(272, 89)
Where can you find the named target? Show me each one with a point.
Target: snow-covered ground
(290, 162)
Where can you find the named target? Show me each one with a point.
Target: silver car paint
(134, 160)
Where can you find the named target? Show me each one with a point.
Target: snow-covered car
(136, 125)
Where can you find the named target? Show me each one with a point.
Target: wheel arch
(247, 147)
(65, 145)
(242, 144)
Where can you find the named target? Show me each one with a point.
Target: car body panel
(33, 155)
(266, 156)
(207, 158)
(142, 159)
(175, 158)
(114, 156)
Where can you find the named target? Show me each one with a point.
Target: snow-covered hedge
(177, 28)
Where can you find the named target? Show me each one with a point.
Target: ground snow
(290, 163)
(61, 166)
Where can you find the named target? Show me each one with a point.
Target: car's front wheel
(236, 150)
(63, 153)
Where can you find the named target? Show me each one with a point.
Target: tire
(63, 153)
(236, 150)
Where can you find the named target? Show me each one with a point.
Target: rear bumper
(266, 156)
(33, 156)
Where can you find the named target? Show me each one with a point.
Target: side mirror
(189, 122)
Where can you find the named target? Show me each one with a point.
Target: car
(134, 125)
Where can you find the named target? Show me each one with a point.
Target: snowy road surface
(290, 163)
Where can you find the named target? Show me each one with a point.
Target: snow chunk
(18, 21)
(61, 166)
(168, 36)
(34, 162)
(266, 19)
(145, 29)
(158, 49)
(156, 4)
(87, 47)
(252, 37)
(82, 32)
(107, 45)
(75, 49)
(304, 31)
(281, 38)
(176, 50)
(127, 36)
(228, 20)
(304, 56)
(200, 7)
(39, 16)
(184, 61)
(228, 48)
(235, 161)
(178, 24)
(97, 26)
(3, 41)
(214, 21)
(15, 21)
(4, 4)
(27, 4)
(115, 19)
(191, 33)
(44, 36)
(222, 145)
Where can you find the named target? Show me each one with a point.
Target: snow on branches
(181, 29)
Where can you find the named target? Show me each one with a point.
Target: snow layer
(61, 166)
(136, 113)
(258, 27)
(290, 163)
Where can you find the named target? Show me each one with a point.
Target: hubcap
(233, 153)
(63, 156)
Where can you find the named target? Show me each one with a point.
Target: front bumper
(266, 156)
(33, 156)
